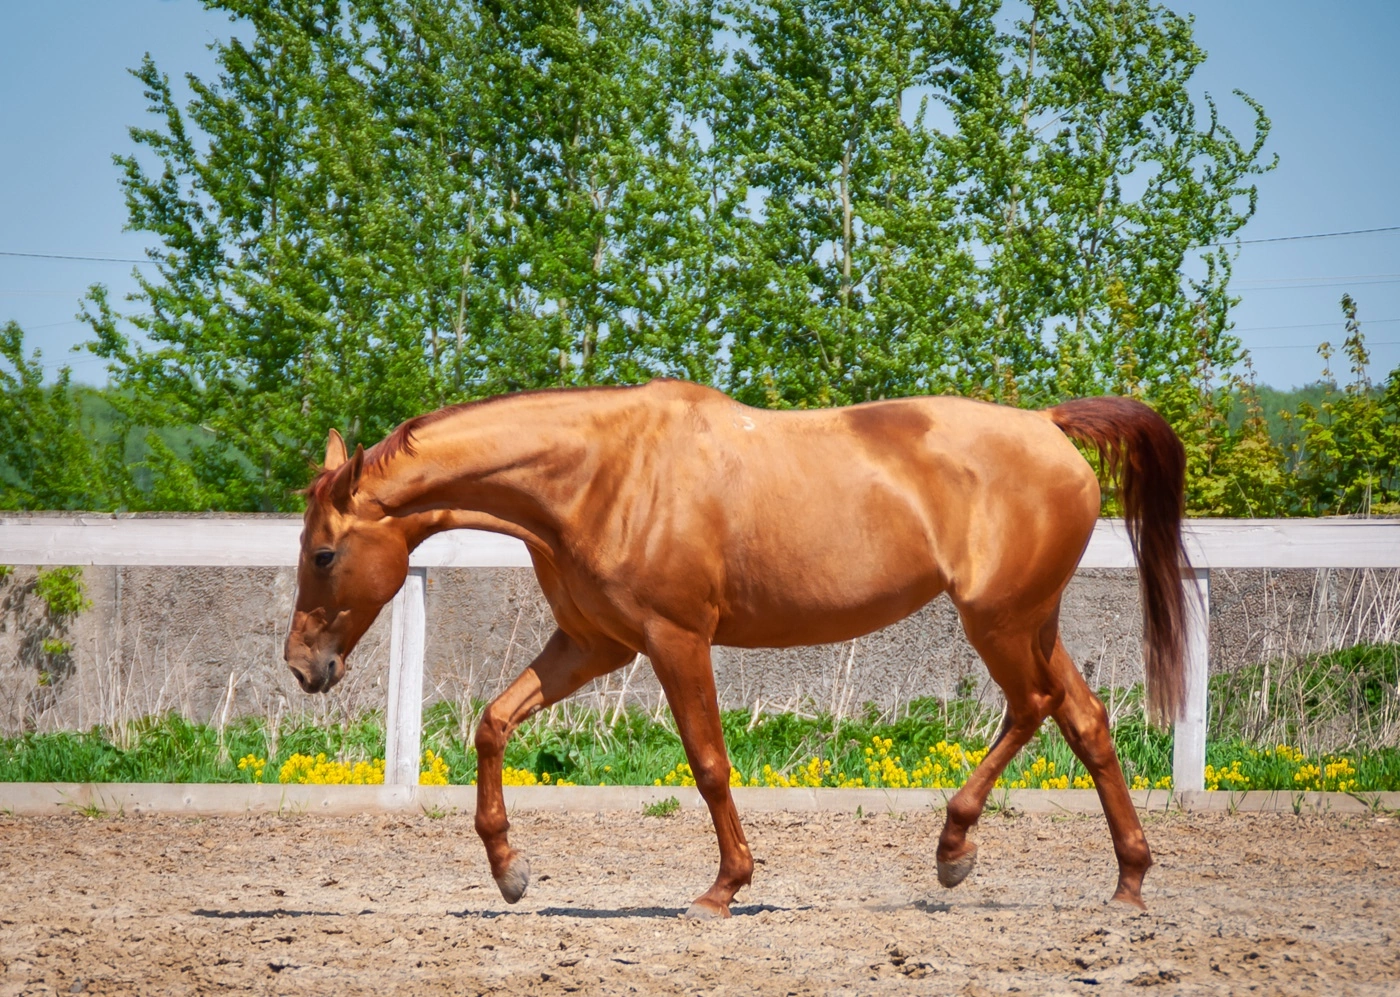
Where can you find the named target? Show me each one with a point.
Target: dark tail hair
(1139, 448)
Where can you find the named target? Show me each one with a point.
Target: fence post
(404, 731)
(1189, 746)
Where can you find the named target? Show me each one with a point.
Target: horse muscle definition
(667, 518)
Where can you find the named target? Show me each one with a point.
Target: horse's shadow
(272, 913)
(596, 913)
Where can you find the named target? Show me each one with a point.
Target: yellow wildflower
(253, 764)
(435, 770)
(321, 771)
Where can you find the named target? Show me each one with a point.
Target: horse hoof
(950, 874)
(514, 880)
(704, 912)
(1128, 900)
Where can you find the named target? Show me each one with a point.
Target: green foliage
(377, 207)
(1233, 465)
(1322, 450)
(1348, 447)
(381, 206)
(1341, 701)
(62, 591)
(662, 808)
(945, 206)
(1351, 696)
(49, 457)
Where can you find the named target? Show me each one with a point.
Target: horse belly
(830, 591)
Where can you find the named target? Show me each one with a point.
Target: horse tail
(1139, 448)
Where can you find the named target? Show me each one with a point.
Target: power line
(1319, 276)
(1306, 346)
(80, 259)
(1315, 325)
(53, 325)
(1242, 242)
(1306, 283)
(1314, 235)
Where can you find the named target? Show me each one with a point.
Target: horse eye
(324, 558)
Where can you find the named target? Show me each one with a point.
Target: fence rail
(274, 542)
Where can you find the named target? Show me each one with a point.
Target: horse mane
(401, 438)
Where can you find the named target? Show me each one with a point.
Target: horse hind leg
(1017, 663)
(1084, 722)
(1039, 679)
(957, 855)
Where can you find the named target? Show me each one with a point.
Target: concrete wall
(208, 643)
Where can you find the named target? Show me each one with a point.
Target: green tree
(1348, 449)
(595, 259)
(1233, 466)
(948, 202)
(851, 263)
(49, 457)
(381, 206)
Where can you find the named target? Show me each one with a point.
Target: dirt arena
(1262, 903)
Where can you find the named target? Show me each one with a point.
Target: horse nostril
(335, 671)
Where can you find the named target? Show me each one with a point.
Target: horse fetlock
(514, 878)
(1134, 854)
(963, 812)
(735, 874)
(954, 867)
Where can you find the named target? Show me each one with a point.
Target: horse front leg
(562, 667)
(682, 663)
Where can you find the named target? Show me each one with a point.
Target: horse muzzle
(319, 676)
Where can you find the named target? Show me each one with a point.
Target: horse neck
(512, 466)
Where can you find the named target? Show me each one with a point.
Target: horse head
(352, 562)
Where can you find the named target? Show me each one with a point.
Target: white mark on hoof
(515, 879)
(950, 874)
(703, 912)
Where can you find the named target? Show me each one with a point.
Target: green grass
(662, 808)
(1351, 696)
(1356, 688)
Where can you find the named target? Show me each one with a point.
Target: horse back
(814, 526)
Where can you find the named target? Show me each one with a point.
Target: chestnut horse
(667, 518)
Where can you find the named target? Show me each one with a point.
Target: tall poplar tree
(378, 207)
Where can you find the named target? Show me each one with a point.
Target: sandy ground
(1271, 904)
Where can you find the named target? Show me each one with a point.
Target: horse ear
(335, 451)
(349, 479)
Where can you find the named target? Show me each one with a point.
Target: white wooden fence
(252, 542)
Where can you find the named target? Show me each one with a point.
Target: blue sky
(1326, 74)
